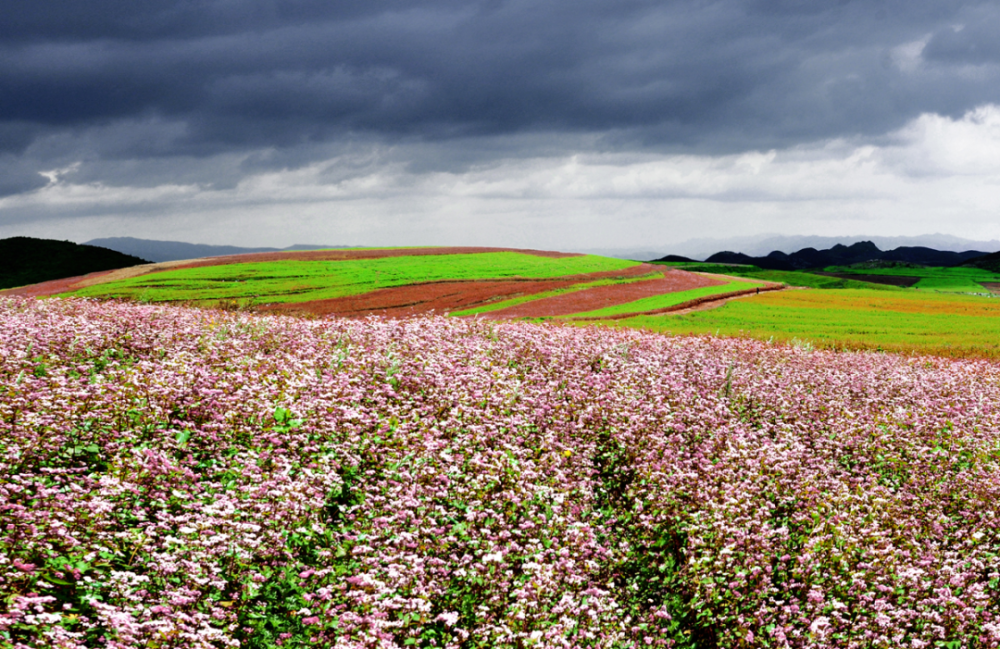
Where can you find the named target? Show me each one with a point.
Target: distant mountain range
(761, 245)
(841, 255)
(26, 260)
(174, 250)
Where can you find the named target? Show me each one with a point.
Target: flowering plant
(173, 477)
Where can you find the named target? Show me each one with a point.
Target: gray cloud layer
(751, 72)
(150, 92)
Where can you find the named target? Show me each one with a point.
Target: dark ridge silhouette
(675, 258)
(729, 257)
(931, 257)
(990, 262)
(26, 260)
(841, 255)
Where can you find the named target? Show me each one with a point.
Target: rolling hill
(26, 260)
(398, 282)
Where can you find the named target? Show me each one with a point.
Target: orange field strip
(924, 303)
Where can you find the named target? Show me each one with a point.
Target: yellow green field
(904, 321)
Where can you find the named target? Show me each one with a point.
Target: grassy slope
(900, 321)
(960, 279)
(301, 281)
(26, 260)
(792, 278)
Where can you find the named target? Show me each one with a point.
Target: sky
(554, 124)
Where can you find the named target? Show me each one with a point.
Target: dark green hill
(173, 250)
(26, 260)
(989, 262)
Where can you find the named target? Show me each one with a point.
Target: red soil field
(441, 297)
(415, 299)
(347, 253)
(599, 297)
(54, 286)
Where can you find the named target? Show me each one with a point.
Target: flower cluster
(173, 477)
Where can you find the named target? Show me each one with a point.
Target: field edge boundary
(688, 304)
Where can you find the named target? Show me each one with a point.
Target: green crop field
(958, 280)
(302, 281)
(905, 321)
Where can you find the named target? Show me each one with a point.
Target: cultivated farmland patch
(600, 297)
(904, 281)
(308, 279)
(402, 283)
(907, 321)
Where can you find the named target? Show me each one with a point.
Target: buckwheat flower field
(186, 478)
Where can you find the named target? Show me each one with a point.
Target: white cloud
(908, 56)
(937, 174)
(54, 175)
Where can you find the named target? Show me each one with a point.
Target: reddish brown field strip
(347, 253)
(55, 286)
(442, 297)
(601, 297)
(992, 287)
(415, 299)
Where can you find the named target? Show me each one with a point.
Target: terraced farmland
(839, 313)
(408, 281)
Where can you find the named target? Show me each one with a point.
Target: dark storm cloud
(222, 76)
(975, 43)
(16, 177)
